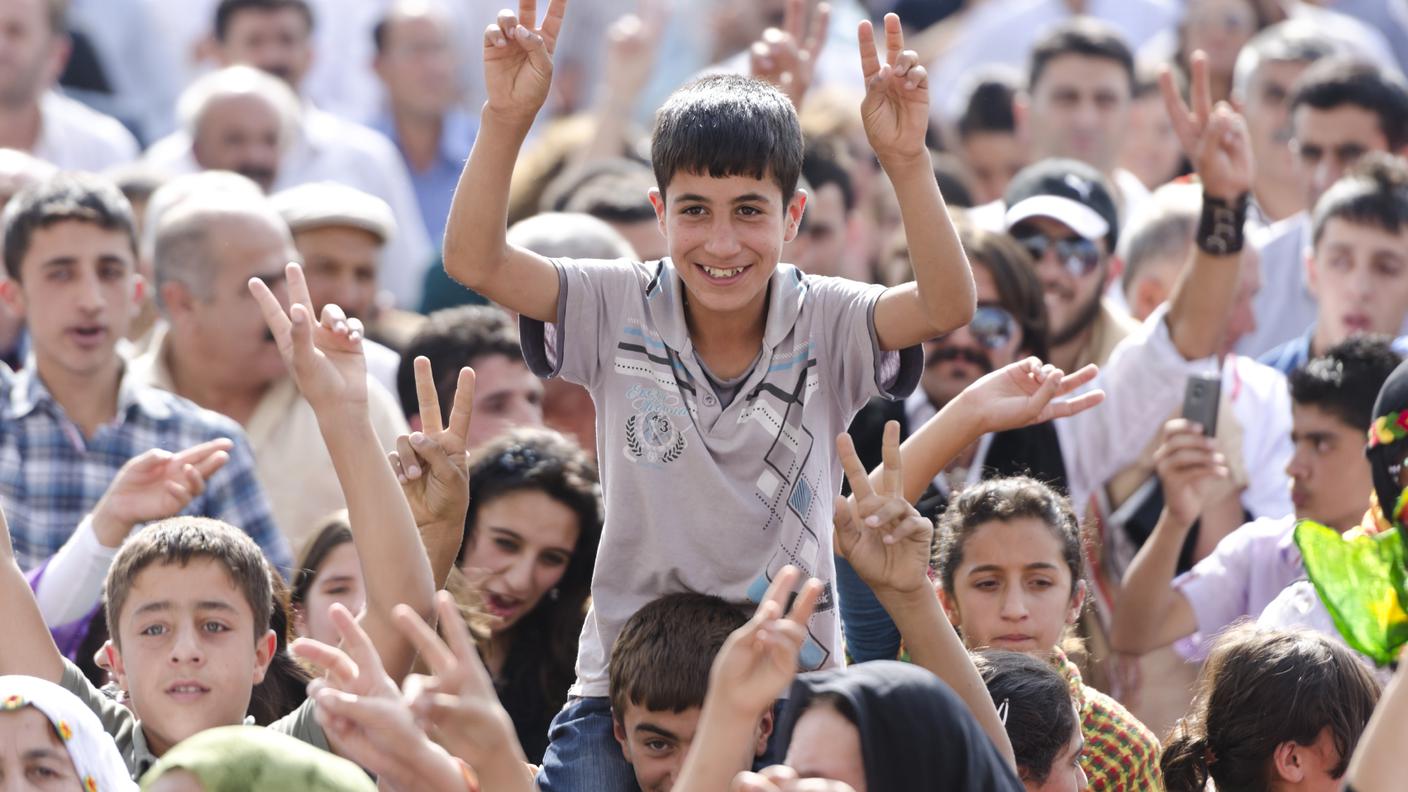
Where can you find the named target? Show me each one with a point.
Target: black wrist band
(1220, 228)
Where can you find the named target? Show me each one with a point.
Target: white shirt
(1002, 32)
(73, 137)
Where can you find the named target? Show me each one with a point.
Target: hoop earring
(554, 594)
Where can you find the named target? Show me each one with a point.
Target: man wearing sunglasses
(1061, 211)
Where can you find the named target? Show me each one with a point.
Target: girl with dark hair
(327, 571)
(530, 541)
(1035, 705)
(1009, 564)
(1274, 710)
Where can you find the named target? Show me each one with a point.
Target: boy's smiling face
(186, 656)
(725, 236)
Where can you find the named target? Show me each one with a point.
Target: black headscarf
(1388, 445)
(916, 735)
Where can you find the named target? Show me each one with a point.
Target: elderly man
(340, 232)
(218, 353)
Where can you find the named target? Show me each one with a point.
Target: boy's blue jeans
(583, 755)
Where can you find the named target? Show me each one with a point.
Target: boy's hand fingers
(298, 287)
(892, 473)
(552, 24)
(201, 451)
(436, 655)
(274, 316)
(427, 398)
(1079, 379)
(471, 667)
(805, 604)
(1177, 110)
(410, 460)
(355, 641)
(781, 588)
(334, 663)
(508, 23)
(881, 512)
(869, 57)
(1200, 89)
(853, 468)
(792, 19)
(894, 38)
(462, 411)
(528, 13)
(434, 457)
(1069, 407)
(494, 37)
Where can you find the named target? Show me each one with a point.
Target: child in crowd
(49, 740)
(1274, 710)
(1035, 705)
(327, 571)
(1010, 576)
(659, 677)
(716, 366)
(189, 600)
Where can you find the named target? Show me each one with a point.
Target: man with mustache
(217, 351)
(238, 119)
(275, 36)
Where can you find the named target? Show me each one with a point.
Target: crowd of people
(753, 395)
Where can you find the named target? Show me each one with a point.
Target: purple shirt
(1247, 570)
(68, 637)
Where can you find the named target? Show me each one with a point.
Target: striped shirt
(51, 475)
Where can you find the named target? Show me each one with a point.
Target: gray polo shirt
(126, 730)
(700, 495)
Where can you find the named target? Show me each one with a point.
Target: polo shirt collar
(665, 304)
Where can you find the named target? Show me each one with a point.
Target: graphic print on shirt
(655, 434)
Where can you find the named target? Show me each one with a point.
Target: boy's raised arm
(28, 648)
(942, 296)
(327, 362)
(517, 75)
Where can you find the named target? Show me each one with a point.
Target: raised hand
(155, 485)
(518, 59)
(325, 357)
(784, 57)
(1191, 470)
(759, 660)
(363, 715)
(433, 464)
(631, 45)
(1024, 393)
(457, 706)
(780, 778)
(885, 540)
(896, 106)
(1215, 139)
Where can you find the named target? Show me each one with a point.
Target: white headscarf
(95, 756)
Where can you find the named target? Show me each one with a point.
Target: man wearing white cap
(340, 232)
(1062, 212)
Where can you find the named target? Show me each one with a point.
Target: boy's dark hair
(80, 197)
(453, 338)
(1346, 380)
(1007, 499)
(825, 161)
(661, 658)
(1373, 193)
(178, 540)
(228, 9)
(1335, 82)
(1040, 715)
(615, 190)
(1259, 689)
(727, 125)
(1082, 36)
(989, 108)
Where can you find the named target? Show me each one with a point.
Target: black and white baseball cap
(1068, 191)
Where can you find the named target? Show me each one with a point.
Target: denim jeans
(583, 755)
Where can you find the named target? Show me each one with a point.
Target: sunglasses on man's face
(992, 326)
(1080, 256)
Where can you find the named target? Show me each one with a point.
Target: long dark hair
(285, 684)
(1259, 689)
(543, 645)
(1035, 701)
